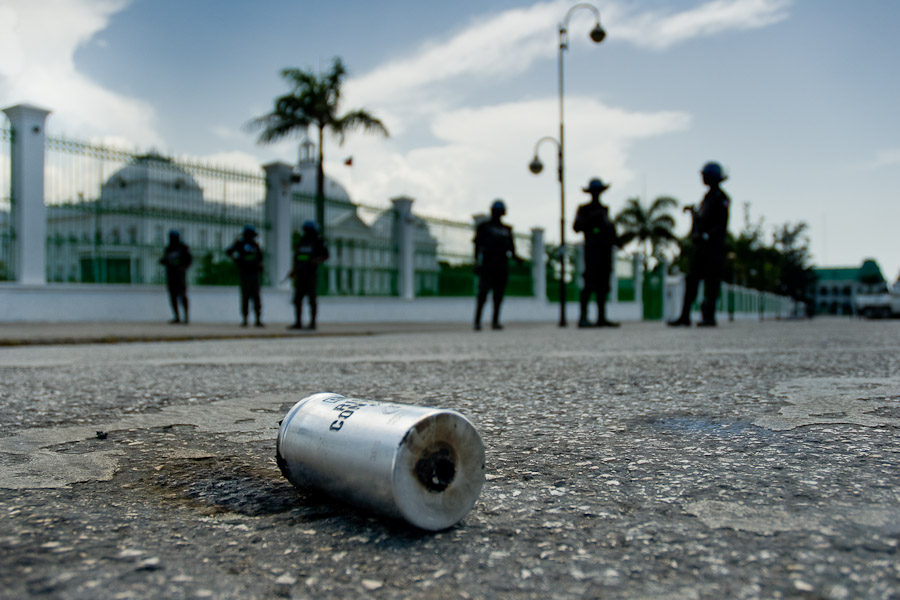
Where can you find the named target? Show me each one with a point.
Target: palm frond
(313, 100)
(663, 221)
(358, 119)
(662, 204)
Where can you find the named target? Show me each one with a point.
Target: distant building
(119, 237)
(837, 287)
(362, 255)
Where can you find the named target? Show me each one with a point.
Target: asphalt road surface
(756, 460)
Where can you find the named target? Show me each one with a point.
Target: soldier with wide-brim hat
(595, 185)
(592, 219)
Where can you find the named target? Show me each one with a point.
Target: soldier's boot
(602, 321)
(479, 309)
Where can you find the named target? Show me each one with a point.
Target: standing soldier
(248, 257)
(710, 225)
(309, 253)
(600, 237)
(176, 259)
(494, 246)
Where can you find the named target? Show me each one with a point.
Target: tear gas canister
(423, 465)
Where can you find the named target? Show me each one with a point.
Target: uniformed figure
(592, 219)
(248, 257)
(494, 246)
(176, 259)
(309, 253)
(710, 225)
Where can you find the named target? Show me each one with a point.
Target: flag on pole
(348, 161)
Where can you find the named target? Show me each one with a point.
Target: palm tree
(653, 225)
(314, 100)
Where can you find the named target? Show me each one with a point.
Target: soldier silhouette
(708, 232)
(592, 219)
(309, 253)
(176, 259)
(494, 246)
(248, 257)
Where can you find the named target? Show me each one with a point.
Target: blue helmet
(174, 235)
(249, 231)
(310, 225)
(714, 170)
(595, 185)
(498, 207)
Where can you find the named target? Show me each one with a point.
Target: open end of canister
(436, 469)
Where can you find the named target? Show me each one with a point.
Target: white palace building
(119, 237)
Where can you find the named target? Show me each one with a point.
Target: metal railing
(455, 255)
(362, 246)
(109, 212)
(737, 300)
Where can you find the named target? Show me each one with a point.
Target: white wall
(145, 303)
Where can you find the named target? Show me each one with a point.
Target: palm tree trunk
(320, 186)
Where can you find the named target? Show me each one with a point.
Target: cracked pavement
(757, 460)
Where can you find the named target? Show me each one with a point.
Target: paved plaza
(755, 460)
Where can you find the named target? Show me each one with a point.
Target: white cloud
(661, 30)
(483, 153)
(479, 152)
(505, 43)
(227, 133)
(510, 42)
(39, 40)
(886, 158)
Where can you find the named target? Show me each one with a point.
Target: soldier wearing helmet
(494, 246)
(176, 259)
(248, 257)
(592, 219)
(708, 233)
(309, 252)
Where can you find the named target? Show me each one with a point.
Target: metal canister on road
(423, 465)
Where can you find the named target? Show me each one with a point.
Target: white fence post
(637, 267)
(538, 264)
(278, 214)
(614, 276)
(578, 275)
(405, 249)
(663, 296)
(29, 215)
(674, 294)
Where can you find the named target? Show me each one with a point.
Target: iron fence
(109, 212)
(362, 246)
(737, 300)
(625, 279)
(455, 257)
(7, 230)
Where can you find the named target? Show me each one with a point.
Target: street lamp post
(597, 35)
(536, 166)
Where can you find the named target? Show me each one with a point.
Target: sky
(798, 99)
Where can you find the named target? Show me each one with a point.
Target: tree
(314, 100)
(651, 225)
(782, 266)
(797, 276)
